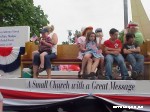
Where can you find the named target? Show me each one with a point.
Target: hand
(131, 50)
(116, 52)
(99, 51)
(42, 41)
(83, 50)
(93, 47)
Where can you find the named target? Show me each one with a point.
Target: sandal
(79, 75)
(85, 76)
(40, 70)
(92, 76)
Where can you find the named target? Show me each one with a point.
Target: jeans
(136, 61)
(47, 58)
(120, 61)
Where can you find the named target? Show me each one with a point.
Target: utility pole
(125, 2)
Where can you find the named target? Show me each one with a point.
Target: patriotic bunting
(10, 58)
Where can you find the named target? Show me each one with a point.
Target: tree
(22, 13)
(76, 35)
(73, 39)
(65, 42)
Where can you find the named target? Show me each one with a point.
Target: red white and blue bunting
(24, 98)
(10, 58)
(28, 93)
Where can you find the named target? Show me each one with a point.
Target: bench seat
(67, 54)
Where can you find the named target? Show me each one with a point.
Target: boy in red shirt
(113, 48)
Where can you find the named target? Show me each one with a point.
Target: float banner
(82, 86)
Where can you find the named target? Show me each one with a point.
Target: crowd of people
(95, 53)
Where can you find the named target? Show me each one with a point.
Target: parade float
(26, 93)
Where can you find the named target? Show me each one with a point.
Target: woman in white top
(48, 57)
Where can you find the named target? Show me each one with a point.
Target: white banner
(78, 86)
(82, 86)
(14, 36)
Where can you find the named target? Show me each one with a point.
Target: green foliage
(65, 42)
(72, 40)
(22, 13)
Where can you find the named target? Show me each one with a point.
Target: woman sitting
(42, 61)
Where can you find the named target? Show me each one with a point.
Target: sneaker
(126, 78)
(107, 78)
(102, 77)
(92, 76)
(140, 77)
(85, 76)
(134, 75)
(79, 75)
(99, 72)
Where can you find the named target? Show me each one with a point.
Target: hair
(113, 31)
(84, 30)
(88, 36)
(129, 36)
(50, 28)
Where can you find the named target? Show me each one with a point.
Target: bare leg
(95, 64)
(84, 62)
(102, 64)
(33, 53)
(35, 71)
(89, 65)
(42, 55)
(48, 73)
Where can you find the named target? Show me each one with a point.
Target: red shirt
(117, 44)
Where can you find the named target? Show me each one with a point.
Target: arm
(112, 51)
(82, 47)
(99, 42)
(126, 51)
(53, 42)
(136, 50)
(54, 39)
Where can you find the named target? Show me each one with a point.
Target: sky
(74, 14)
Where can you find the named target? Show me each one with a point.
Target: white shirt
(98, 40)
(54, 47)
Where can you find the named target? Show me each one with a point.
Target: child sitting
(92, 49)
(45, 45)
(132, 54)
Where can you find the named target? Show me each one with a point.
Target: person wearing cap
(113, 48)
(99, 36)
(47, 51)
(86, 59)
(132, 27)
